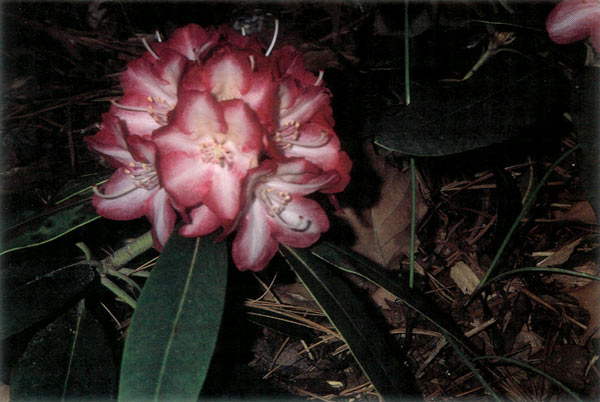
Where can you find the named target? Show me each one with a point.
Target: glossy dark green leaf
(174, 329)
(489, 108)
(48, 226)
(43, 296)
(68, 360)
(349, 261)
(381, 364)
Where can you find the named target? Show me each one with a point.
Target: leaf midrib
(175, 322)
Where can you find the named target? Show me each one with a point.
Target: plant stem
(413, 221)
(127, 253)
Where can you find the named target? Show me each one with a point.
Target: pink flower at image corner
(573, 20)
(211, 128)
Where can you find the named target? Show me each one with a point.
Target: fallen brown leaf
(561, 255)
(383, 230)
(581, 211)
(588, 297)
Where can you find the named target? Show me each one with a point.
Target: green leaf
(446, 118)
(175, 325)
(279, 323)
(349, 261)
(69, 359)
(43, 296)
(382, 365)
(48, 226)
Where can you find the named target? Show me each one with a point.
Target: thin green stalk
(550, 270)
(406, 55)
(413, 219)
(473, 369)
(110, 285)
(531, 368)
(524, 210)
(124, 278)
(127, 253)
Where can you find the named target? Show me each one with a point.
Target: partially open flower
(573, 20)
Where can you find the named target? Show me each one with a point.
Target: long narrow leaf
(43, 296)
(533, 369)
(68, 360)
(547, 270)
(366, 341)
(174, 329)
(349, 261)
(48, 226)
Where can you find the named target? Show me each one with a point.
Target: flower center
(143, 175)
(289, 136)
(215, 152)
(275, 203)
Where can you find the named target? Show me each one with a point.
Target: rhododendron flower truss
(207, 150)
(276, 211)
(573, 20)
(223, 131)
(134, 189)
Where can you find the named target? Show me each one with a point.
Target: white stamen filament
(143, 175)
(251, 62)
(243, 31)
(289, 135)
(321, 141)
(149, 49)
(318, 81)
(275, 203)
(157, 34)
(272, 45)
(132, 108)
(115, 195)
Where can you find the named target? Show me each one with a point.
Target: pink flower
(573, 20)
(206, 151)
(235, 74)
(134, 189)
(150, 86)
(192, 41)
(276, 212)
(211, 128)
(305, 130)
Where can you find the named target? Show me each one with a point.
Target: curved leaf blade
(48, 226)
(449, 118)
(174, 329)
(382, 365)
(349, 261)
(43, 296)
(70, 359)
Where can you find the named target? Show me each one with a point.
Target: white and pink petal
(202, 222)
(573, 20)
(254, 245)
(161, 214)
(122, 200)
